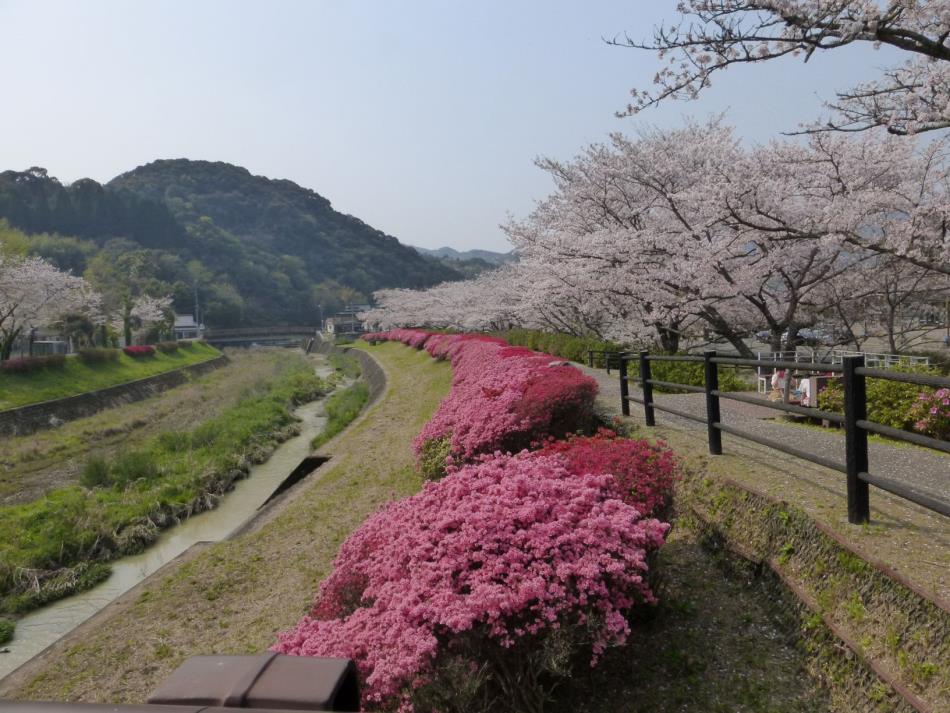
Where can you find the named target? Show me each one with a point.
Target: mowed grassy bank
(235, 596)
(123, 499)
(77, 377)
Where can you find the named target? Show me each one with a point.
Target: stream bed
(43, 627)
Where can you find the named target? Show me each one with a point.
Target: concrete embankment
(47, 414)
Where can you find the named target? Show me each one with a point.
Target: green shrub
(95, 473)
(130, 466)
(432, 457)
(98, 356)
(689, 373)
(890, 403)
(205, 435)
(566, 346)
(6, 631)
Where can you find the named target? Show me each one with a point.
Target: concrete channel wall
(373, 373)
(48, 414)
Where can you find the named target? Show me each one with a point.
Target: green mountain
(257, 251)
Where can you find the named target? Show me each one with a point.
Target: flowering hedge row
(25, 365)
(503, 398)
(492, 583)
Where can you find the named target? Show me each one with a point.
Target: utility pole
(197, 317)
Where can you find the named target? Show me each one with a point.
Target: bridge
(280, 336)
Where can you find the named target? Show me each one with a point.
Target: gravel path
(923, 470)
(910, 540)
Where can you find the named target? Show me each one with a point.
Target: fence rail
(854, 373)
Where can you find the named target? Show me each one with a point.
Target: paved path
(923, 470)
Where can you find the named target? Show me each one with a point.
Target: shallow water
(45, 626)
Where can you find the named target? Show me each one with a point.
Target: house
(344, 323)
(187, 328)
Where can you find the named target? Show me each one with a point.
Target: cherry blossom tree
(876, 194)
(33, 293)
(713, 35)
(685, 232)
(139, 313)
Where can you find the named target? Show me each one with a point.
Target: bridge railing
(854, 373)
(260, 332)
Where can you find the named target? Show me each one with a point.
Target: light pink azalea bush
(931, 413)
(494, 580)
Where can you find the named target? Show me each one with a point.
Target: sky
(422, 118)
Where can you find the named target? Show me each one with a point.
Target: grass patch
(6, 631)
(342, 407)
(78, 376)
(130, 496)
(345, 364)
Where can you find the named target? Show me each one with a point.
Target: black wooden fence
(856, 426)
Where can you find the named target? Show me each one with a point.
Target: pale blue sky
(422, 118)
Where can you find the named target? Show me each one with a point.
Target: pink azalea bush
(502, 569)
(931, 413)
(503, 398)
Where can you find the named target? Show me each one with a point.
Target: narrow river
(45, 626)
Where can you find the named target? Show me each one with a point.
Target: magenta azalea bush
(931, 413)
(645, 472)
(500, 572)
(139, 350)
(503, 398)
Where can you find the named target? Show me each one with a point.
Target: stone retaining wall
(879, 642)
(48, 414)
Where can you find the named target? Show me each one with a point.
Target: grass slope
(33, 464)
(342, 407)
(234, 596)
(127, 497)
(77, 377)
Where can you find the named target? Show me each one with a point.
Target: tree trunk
(669, 339)
(6, 343)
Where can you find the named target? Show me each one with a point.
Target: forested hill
(261, 251)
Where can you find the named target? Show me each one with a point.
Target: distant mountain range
(259, 250)
(488, 256)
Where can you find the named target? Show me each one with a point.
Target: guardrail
(856, 424)
(261, 332)
(609, 359)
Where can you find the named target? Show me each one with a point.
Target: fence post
(856, 440)
(711, 382)
(645, 377)
(590, 358)
(624, 388)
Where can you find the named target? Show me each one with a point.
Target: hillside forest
(251, 250)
